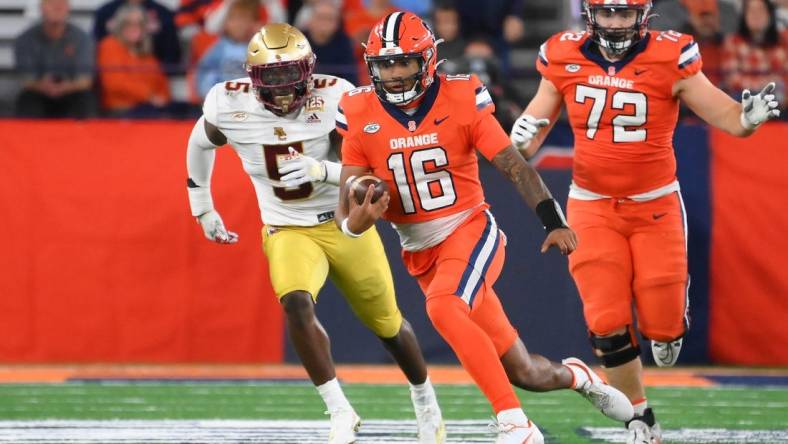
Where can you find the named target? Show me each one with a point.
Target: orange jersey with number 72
(428, 159)
(623, 113)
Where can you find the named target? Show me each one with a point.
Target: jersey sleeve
(486, 133)
(352, 151)
(352, 154)
(210, 107)
(488, 136)
(541, 61)
(689, 60)
(341, 119)
(345, 85)
(553, 54)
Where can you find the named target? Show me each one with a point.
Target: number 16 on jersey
(434, 186)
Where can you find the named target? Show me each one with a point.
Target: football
(360, 184)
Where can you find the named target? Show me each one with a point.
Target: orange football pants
(457, 276)
(629, 252)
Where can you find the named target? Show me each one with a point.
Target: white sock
(579, 375)
(640, 406)
(422, 394)
(512, 416)
(333, 396)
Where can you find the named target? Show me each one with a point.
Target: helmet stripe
(391, 30)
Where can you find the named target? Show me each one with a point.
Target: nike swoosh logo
(640, 71)
(658, 215)
(439, 121)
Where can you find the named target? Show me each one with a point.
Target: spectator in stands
(359, 23)
(202, 22)
(55, 59)
(193, 12)
(758, 53)
(331, 45)
(675, 15)
(301, 11)
(271, 11)
(225, 60)
(418, 7)
(132, 81)
(704, 22)
(782, 12)
(160, 22)
(479, 58)
(446, 25)
(500, 20)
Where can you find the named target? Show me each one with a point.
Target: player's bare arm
(535, 193)
(717, 109)
(539, 117)
(524, 177)
(354, 218)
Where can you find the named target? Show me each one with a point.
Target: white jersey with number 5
(262, 141)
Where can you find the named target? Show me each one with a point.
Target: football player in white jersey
(280, 121)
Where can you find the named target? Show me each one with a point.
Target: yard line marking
(221, 431)
(728, 436)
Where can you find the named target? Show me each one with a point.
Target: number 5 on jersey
(434, 186)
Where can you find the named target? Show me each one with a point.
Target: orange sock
(451, 317)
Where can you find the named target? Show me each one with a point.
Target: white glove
(759, 108)
(525, 128)
(214, 230)
(299, 169)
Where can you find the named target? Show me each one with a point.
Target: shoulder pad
(677, 48)
(560, 44)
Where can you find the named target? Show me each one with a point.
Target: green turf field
(688, 414)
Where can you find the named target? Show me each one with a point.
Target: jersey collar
(617, 66)
(426, 105)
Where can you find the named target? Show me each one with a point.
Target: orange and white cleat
(609, 400)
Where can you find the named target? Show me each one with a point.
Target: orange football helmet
(617, 40)
(401, 36)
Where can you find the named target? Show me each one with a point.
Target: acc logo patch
(573, 68)
(240, 116)
(372, 128)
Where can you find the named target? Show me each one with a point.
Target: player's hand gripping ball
(359, 186)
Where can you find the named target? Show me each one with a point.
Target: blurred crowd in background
(125, 64)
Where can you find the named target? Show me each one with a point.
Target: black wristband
(550, 214)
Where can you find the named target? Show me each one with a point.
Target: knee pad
(616, 350)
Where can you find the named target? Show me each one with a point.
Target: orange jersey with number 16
(428, 159)
(623, 113)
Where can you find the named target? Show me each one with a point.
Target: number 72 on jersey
(627, 126)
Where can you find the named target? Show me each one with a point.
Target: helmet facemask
(616, 41)
(396, 91)
(282, 87)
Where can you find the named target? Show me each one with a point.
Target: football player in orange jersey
(419, 132)
(622, 85)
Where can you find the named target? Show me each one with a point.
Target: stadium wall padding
(101, 260)
(749, 261)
